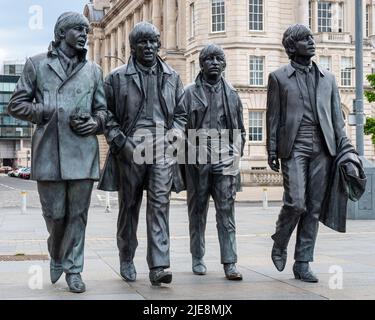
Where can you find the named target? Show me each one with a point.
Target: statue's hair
(211, 49)
(294, 33)
(68, 20)
(143, 29)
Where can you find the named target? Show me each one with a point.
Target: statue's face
(305, 47)
(146, 49)
(213, 65)
(76, 37)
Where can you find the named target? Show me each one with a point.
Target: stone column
(335, 16)
(113, 50)
(302, 12)
(126, 36)
(107, 61)
(157, 13)
(136, 16)
(169, 23)
(91, 46)
(145, 11)
(314, 16)
(97, 50)
(181, 26)
(120, 44)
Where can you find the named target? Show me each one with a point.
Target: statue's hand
(273, 162)
(84, 125)
(126, 152)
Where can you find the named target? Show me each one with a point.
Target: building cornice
(114, 12)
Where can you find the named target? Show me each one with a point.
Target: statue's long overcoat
(46, 96)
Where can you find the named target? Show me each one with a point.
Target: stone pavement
(345, 263)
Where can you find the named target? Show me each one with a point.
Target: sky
(26, 26)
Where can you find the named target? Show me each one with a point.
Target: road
(11, 183)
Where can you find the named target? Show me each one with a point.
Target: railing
(253, 178)
(338, 37)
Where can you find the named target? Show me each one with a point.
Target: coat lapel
(298, 108)
(56, 66)
(320, 82)
(166, 73)
(230, 104)
(75, 71)
(133, 74)
(200, 96)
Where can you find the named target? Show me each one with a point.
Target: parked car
(16, 173)
(5, 169)
(13, 172)
(25, 174)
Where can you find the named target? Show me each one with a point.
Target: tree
(370, 95)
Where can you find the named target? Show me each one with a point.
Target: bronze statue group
(65, 96)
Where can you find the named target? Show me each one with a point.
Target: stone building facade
(250, 31)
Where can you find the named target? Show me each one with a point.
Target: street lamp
(365, 207)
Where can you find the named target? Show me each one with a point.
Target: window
(12, 69)
(7, 86)
(324, 17)
(192, 20)
(5, 97)
(256, 15)
(218, 15)
(346, 71)
(310, 15)
(256, 126)
(325, 62)
(256, 70)
(367, 21)
(340, 15)
(19, 69)
(373, 67)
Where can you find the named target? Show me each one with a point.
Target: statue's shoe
(127, 271)
(55, 270)
(75, 283)
(199, 267)
(231, 272)
(158, 276)
(279, 256)
(303, 272)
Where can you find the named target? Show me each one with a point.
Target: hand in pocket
(126, 152)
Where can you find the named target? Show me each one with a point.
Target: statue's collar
(52, 51)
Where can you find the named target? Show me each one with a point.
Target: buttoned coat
(285, 110)
(197, 105)
(46, 96)
(125, 99)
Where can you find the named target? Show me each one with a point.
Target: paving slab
(351, 253)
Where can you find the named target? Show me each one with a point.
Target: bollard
(265, 198)
(23, 202)
(107, 203)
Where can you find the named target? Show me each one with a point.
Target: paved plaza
(345, 263)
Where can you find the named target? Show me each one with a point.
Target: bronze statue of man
(140, 95)
(214, 108)
(304, 126)
(63, 94)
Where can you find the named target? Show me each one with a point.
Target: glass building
(15, 135)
